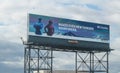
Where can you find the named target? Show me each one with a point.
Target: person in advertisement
(38, 27)
(49, 28)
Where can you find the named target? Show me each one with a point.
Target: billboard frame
(72, 42)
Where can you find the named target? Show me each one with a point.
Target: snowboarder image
(49, 28)
(38, 27)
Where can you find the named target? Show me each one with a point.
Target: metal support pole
(90, 63)
(29, 59)
(107, 62)
(76, 70)
(25, 60)
(38, 60)
(51, 60)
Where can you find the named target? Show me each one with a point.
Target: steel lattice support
(37, 59)
(40, 58)
(92, 62)
(82, 62)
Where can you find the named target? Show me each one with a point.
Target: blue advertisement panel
(53, 27)
(67, 34)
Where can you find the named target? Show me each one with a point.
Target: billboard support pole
(90, 63)
(51, 60)
(25, 60)
(93, 62)
(29, 51)
(107, 62)
(76, 70)
(83, 62)
(37, 59)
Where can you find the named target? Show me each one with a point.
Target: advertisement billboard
(53, 31)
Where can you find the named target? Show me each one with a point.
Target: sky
(13, 25)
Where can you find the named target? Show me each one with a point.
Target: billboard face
(65, 29)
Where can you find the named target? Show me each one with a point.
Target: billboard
(60, 32)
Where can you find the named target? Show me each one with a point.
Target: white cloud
(17, 64)
(115, 43)
(63, 58)
(112, 6)
(114, 18)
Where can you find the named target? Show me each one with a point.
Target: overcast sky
(13, 25)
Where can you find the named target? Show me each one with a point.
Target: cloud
(112, 6)
(11, 57)
(115, 43)
(16, 64)
(93, 7)
(4, 68)
(114, 67)
(62, 60)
